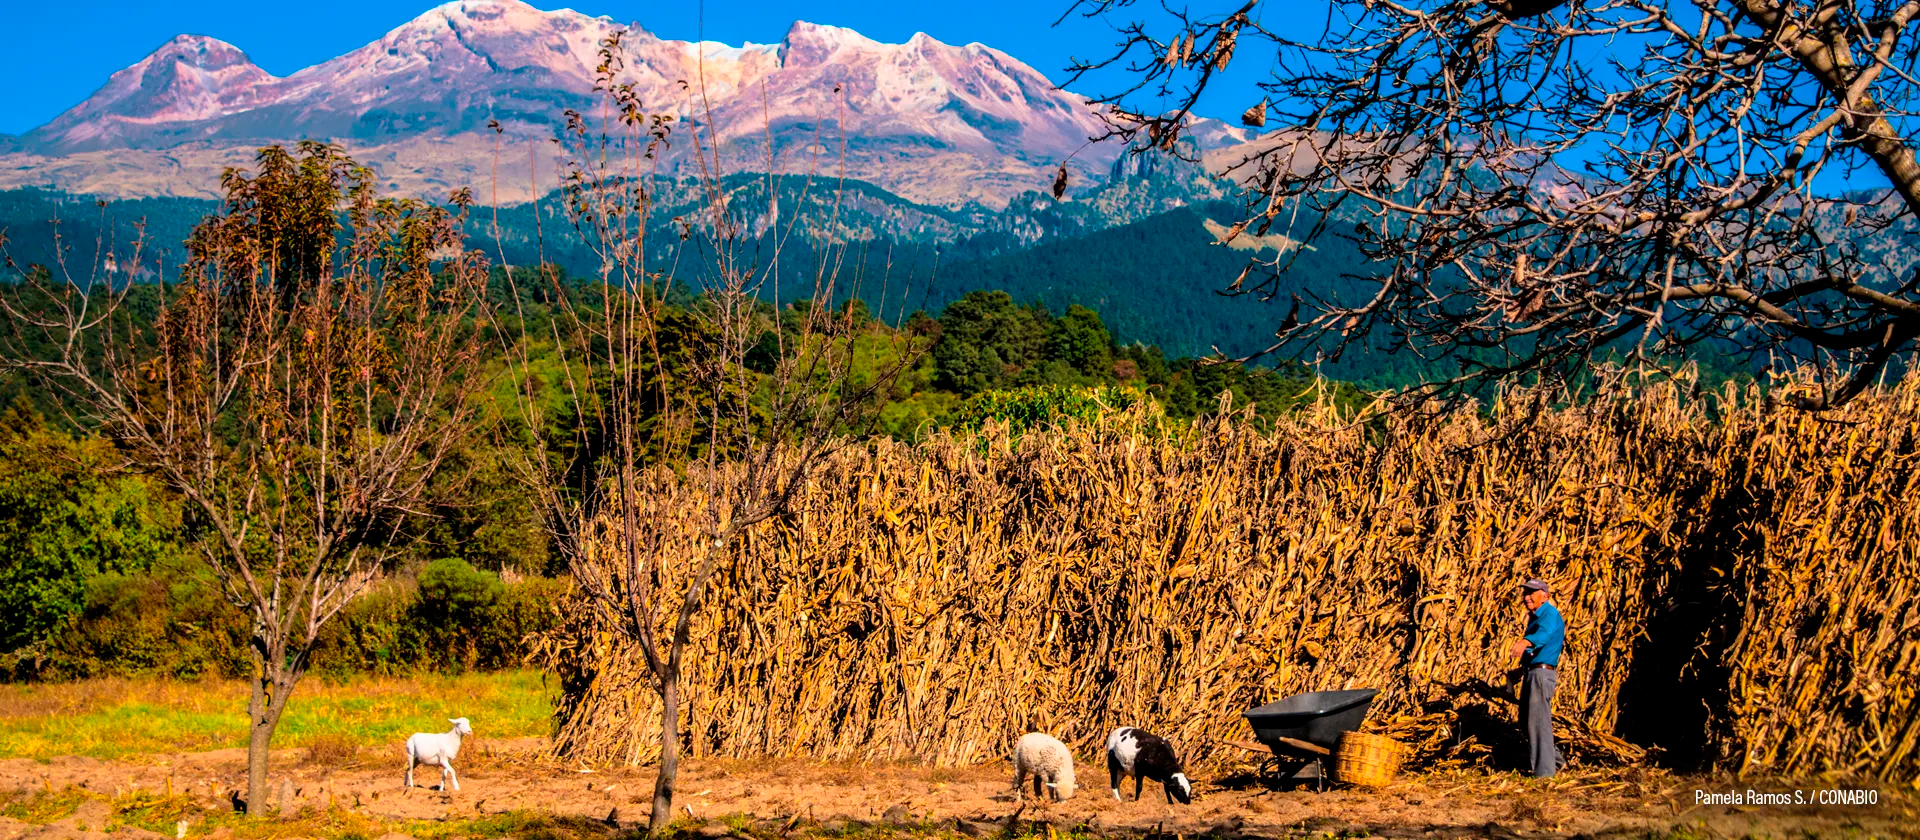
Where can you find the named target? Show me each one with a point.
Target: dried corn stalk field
(1738, 583)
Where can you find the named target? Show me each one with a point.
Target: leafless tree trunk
(298, 387)
(660, 387)
(1540, 184)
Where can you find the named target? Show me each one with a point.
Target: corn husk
(932, 601)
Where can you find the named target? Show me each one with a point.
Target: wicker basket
(1367, 760)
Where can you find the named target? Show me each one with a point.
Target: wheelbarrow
(1301, 731)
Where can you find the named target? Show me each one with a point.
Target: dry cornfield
(1738, 583)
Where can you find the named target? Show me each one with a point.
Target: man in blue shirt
(1539, 654)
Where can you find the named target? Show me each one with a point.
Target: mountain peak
(808, 44)
(189, 78)
(201, 52)
(510, 12)
(186, 44)
(489, 16)
(487, 6)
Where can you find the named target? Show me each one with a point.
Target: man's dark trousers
(1536, 702)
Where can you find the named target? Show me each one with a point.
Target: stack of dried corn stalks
(933, 601)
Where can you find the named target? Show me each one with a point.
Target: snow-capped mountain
(190, 79)
(933, 122)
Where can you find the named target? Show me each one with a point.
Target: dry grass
(333, 750)
(40, 700)
(935, 600)
(147, 811)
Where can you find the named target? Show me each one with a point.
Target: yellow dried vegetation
(1746, 571)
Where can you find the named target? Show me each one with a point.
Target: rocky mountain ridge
(933, 122)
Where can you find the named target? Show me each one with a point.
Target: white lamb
(1048, 761)
(437, 749)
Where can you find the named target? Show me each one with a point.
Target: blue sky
(58, 53)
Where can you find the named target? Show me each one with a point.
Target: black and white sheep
(437, 749)
(1048, 761)
(1144, 755)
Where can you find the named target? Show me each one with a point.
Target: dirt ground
(501, 776)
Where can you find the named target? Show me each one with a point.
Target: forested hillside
(98, 570)
(1155, 280)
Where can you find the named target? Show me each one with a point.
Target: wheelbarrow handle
(1307, 746)
(1295, 743)
(1249, 746)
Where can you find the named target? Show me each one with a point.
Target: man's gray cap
(1536, 583)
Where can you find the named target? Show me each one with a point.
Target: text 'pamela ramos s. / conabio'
(1796, 796)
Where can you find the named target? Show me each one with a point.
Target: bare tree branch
(1540, 185)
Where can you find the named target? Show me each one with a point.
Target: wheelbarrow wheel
(1269, 766)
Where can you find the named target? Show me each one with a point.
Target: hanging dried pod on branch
(1255, 116)
(1223, 48)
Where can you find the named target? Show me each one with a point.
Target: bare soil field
(508, 788)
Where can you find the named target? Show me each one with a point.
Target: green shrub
(173, 621)
(454, 587)
(170, 620)
(456, 618)
(376, 634)
(1027, 408)
(65, 518)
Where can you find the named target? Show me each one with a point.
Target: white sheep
(1048, 761)
(437, 749)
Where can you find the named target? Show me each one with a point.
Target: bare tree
(719, 385)
(1541, 183)
(298, 387)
